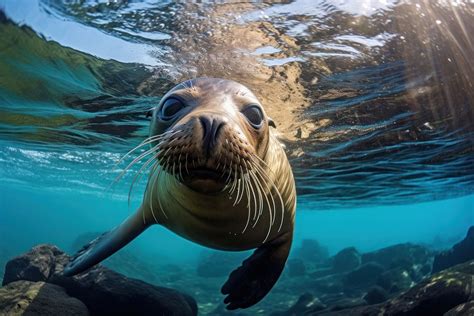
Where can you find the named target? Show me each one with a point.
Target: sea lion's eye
(254, 115)
(170, 108)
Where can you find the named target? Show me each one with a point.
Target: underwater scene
(290, 157)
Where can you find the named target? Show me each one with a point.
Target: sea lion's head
(209, 132)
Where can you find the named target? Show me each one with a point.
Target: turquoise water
(377, 119)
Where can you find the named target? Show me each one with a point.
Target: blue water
(381, 143)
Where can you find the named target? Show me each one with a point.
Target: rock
(364, 276)
(395, 280)
(346, 303)
(345, 260)
(306, 303)
(125, 261)
(329, 284)
(465, 309)
(38, 298)
(443, 292)
(102, 290)
(36, 265)
(220, 310)
(296, 267)
(321, 272)
(218, 263)
(312, 251)
(399, 256)
(461, 252)
(376, 295)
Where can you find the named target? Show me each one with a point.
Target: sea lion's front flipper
(250, 282)
(106, 244)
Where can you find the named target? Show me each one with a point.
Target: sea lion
(220, 178)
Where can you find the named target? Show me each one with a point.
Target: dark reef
(395, 280)
(461, 252)
(99, 291)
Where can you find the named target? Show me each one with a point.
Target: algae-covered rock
(465, 309)
(461, 252)
(306, 303)
(37, 265)
(364, 276)
(102, 290)
(395, 280)
(345, 260)
(38, 298)
(376, 295)
(450, 291)
(399, 256)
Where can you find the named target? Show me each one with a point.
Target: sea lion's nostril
(210, 132)
(206, 126)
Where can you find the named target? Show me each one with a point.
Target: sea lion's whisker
(152, 191)
(241, 180)
(186, 164)
(249, 191)
(267, 200)
(146, 142)
(254, 179)
(234, 182)
(143, 143)
(138, 176)
(143, 155)
(272, 183)
(258, 211)
(140, 157)
(159, 200)
(282, 208)
(252, 189)
(262, 173)
(248, 204)
(180, 174)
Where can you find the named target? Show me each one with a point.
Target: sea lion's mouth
(205, 180)
(206, 173)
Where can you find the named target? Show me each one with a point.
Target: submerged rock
(465, 309)
(37, 265)
(346, 260)
(450, 291)
(329, 284)
(395, 280)
(219, 263)
(38, 298)
(296, 267)
(399, 256)
(306, 303)
(376, 295)
(364, 276)
(312, 251)
(346, 303)
(461, 252)
(102, 290)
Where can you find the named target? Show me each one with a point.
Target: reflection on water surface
(373, 99)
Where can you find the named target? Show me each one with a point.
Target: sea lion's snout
(211, 126)
(205, 151)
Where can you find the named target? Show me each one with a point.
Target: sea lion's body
(221, 179)
(212, 220)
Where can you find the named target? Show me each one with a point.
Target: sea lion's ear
(271, 122)
(149, 113)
